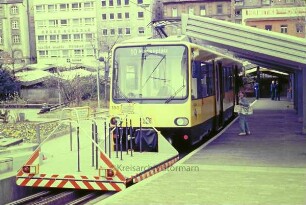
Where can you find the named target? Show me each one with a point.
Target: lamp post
(98, 86)
(101, 59)
(59, 87)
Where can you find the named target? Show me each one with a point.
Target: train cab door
(219, 93)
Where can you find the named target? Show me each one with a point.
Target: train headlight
(181, 121)
(115, 121)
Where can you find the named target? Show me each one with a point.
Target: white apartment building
(73, 32)
(119, 20)
(66, 32)
(14, 33)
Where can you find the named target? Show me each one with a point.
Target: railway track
(59, 197)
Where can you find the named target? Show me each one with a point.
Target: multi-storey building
(66, 32)
(219, 9)
(15, 33)
(283, 16)
(123, 19)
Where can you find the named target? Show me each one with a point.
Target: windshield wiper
(175, 93)
(163, 57)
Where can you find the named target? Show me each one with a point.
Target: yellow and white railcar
(180, 88)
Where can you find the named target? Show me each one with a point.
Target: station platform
(267, 167)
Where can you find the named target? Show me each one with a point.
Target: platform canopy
(264, 48)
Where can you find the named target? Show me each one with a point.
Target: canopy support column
(304, 99)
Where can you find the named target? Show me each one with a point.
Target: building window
(14, 10)
(76, 6)
(79, 52)
(54, 38)
(174, 12)
(88, 6)
(64, 7)
(41, 38)
(266, 2)
(53, 23)
(118, 2)
(65, 38)
(15, 24)
(104, 32)
(54, 53)
(284, 29)
(43, 54)
(89, 21)
(126, 2)
(104, 16)
(40, 8)
(41, 24)
(16, 39)
(76, 22)
(191, 10)
(239, 2)
(202, 11)
(119, 15)
(120, 31)
(65, 53)
(141, 30)
(89, 37)
(112, 31)
(89, 52)
(111, 16)
(219, 9)
(127, 31)
(51, 8)
(64, 22)
(299, 28)
(139, 1)
(127, 15)
(111, 3)
(140, 14)
(103, 3)
(77, 37)
(268, 27)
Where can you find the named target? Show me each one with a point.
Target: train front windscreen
(145, 73)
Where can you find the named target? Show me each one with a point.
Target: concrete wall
(9, 191)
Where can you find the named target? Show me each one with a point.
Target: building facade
(282, 16)
(219, 9)
(289, 21)
(15, 33)
(66, 32)
(119, 20)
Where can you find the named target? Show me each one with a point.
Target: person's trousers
(244, 125)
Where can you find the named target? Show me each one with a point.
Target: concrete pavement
(267, 167)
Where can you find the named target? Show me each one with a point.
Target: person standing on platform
(272, 90)
(256, 89)
(243, 118)
(277, 91)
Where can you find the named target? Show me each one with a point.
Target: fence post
(97, 141)
(38, 133)
(92, 144)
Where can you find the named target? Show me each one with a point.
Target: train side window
(196, 80)
(207, 79)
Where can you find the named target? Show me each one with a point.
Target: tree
(76, 89)
(9, 86)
